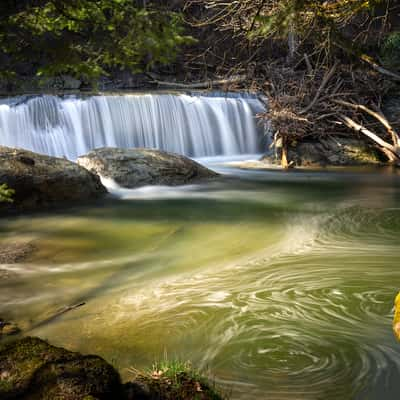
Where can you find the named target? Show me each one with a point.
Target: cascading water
(196, 125)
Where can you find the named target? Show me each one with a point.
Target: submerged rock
(333, 150)
(41, 181)
(8, 328)
(33, 369)
(132, 168)
(15, 251)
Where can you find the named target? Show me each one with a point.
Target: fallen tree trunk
(378, 116)
(202, 85)
(389, 150)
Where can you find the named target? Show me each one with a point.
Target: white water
(197, 126)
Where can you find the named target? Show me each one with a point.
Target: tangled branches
(335, 100)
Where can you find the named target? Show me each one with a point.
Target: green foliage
(6, 194)
(391, 50)
(87, 38)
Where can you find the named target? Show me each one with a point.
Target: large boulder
(31, 369)
(132, 168)
(41, 181)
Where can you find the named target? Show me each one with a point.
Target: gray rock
(132, 168)
(41, 181)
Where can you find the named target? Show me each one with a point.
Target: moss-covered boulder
(32, 369)
(40, 181)
(328, 151)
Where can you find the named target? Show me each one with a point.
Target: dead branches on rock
(318, 105)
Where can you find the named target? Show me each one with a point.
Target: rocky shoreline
(31, 368)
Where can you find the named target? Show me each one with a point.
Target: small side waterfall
(195, 126)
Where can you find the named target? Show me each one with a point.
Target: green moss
(362, 154)
(33, 369)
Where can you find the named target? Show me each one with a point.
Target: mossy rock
(32, 369)
(328, 151)
(41, 182)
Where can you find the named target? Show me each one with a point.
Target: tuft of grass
(177, 380)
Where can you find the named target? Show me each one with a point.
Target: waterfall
(193, 125)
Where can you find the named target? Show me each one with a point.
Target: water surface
(280, 284)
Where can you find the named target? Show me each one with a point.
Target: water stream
(280, 284)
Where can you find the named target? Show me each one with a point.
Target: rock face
(132, 168)
(32, 369)
(41, 181)
(336, 151)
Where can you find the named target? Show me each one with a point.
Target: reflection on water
(281, 284)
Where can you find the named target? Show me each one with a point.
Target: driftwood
(391, 151)
(56, 315)
(203, 85)
(378, 116)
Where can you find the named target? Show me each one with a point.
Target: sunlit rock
(132, 168)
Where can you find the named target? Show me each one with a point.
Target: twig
(379, 68)
(325, 81)
(56, 315)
